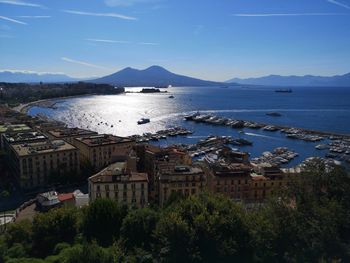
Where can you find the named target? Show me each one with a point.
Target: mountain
(32, 77)
(307, 80)
(152, 76)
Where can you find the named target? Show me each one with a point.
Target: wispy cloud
(107, 41)
(127, 2)
(148, 43)
(79, 62)
(28, 71)
(288, 14)
(20, 3)
(338, 4)
(113, 15)
(12, 20)
(121, 42)
(34, 17)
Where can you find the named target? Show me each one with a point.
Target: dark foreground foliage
(310, 222)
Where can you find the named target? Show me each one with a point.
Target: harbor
(265, 127)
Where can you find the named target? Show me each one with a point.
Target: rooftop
(64, 132)
(28, 136)
(14, 128)
(65, 197)
(42, 147)
(102, 139)
(117, 172)
(185, 169)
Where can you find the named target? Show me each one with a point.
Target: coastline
(45, 103)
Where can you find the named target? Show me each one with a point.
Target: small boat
(143, 121)
(171, 97)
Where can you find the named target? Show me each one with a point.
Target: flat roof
(184, 170)
(45, 147)
(102, 139)
(69, 132)
(14, 128)
(28, 136)
(117, 172)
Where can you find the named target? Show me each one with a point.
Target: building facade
(118, 183)
(185, 180)
(102, 150)
(32, 164)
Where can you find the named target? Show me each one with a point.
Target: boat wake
(260, 135)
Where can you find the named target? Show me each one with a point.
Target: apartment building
(187, 180)
(33, 163)
(12, 128)
(154, 160)
(119, 183)
(102, 150)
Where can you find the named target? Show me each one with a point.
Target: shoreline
(50, 103)
(46, 103)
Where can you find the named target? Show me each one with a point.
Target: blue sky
(210, 39)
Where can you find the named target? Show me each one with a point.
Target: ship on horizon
(284, 90)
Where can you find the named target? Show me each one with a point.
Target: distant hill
(30, 77)
(308, 80)
(152, 76)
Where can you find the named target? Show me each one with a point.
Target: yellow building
(117, 182)
(33, 163)
(102, 150)
(182, 179)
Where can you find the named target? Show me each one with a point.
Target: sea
(316, 108)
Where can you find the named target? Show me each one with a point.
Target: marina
(236, 112)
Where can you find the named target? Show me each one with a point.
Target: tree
(84, 253)
(137, 228)
(309, 221)
(205, 228)
(102, 221)
(20, 232)
(49, 229)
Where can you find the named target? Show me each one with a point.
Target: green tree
(138, 227)
(85, 253)
(20, 232)
(206, 228)
(53, 227)
(16, 251)
(309, 221)
(102, 221)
